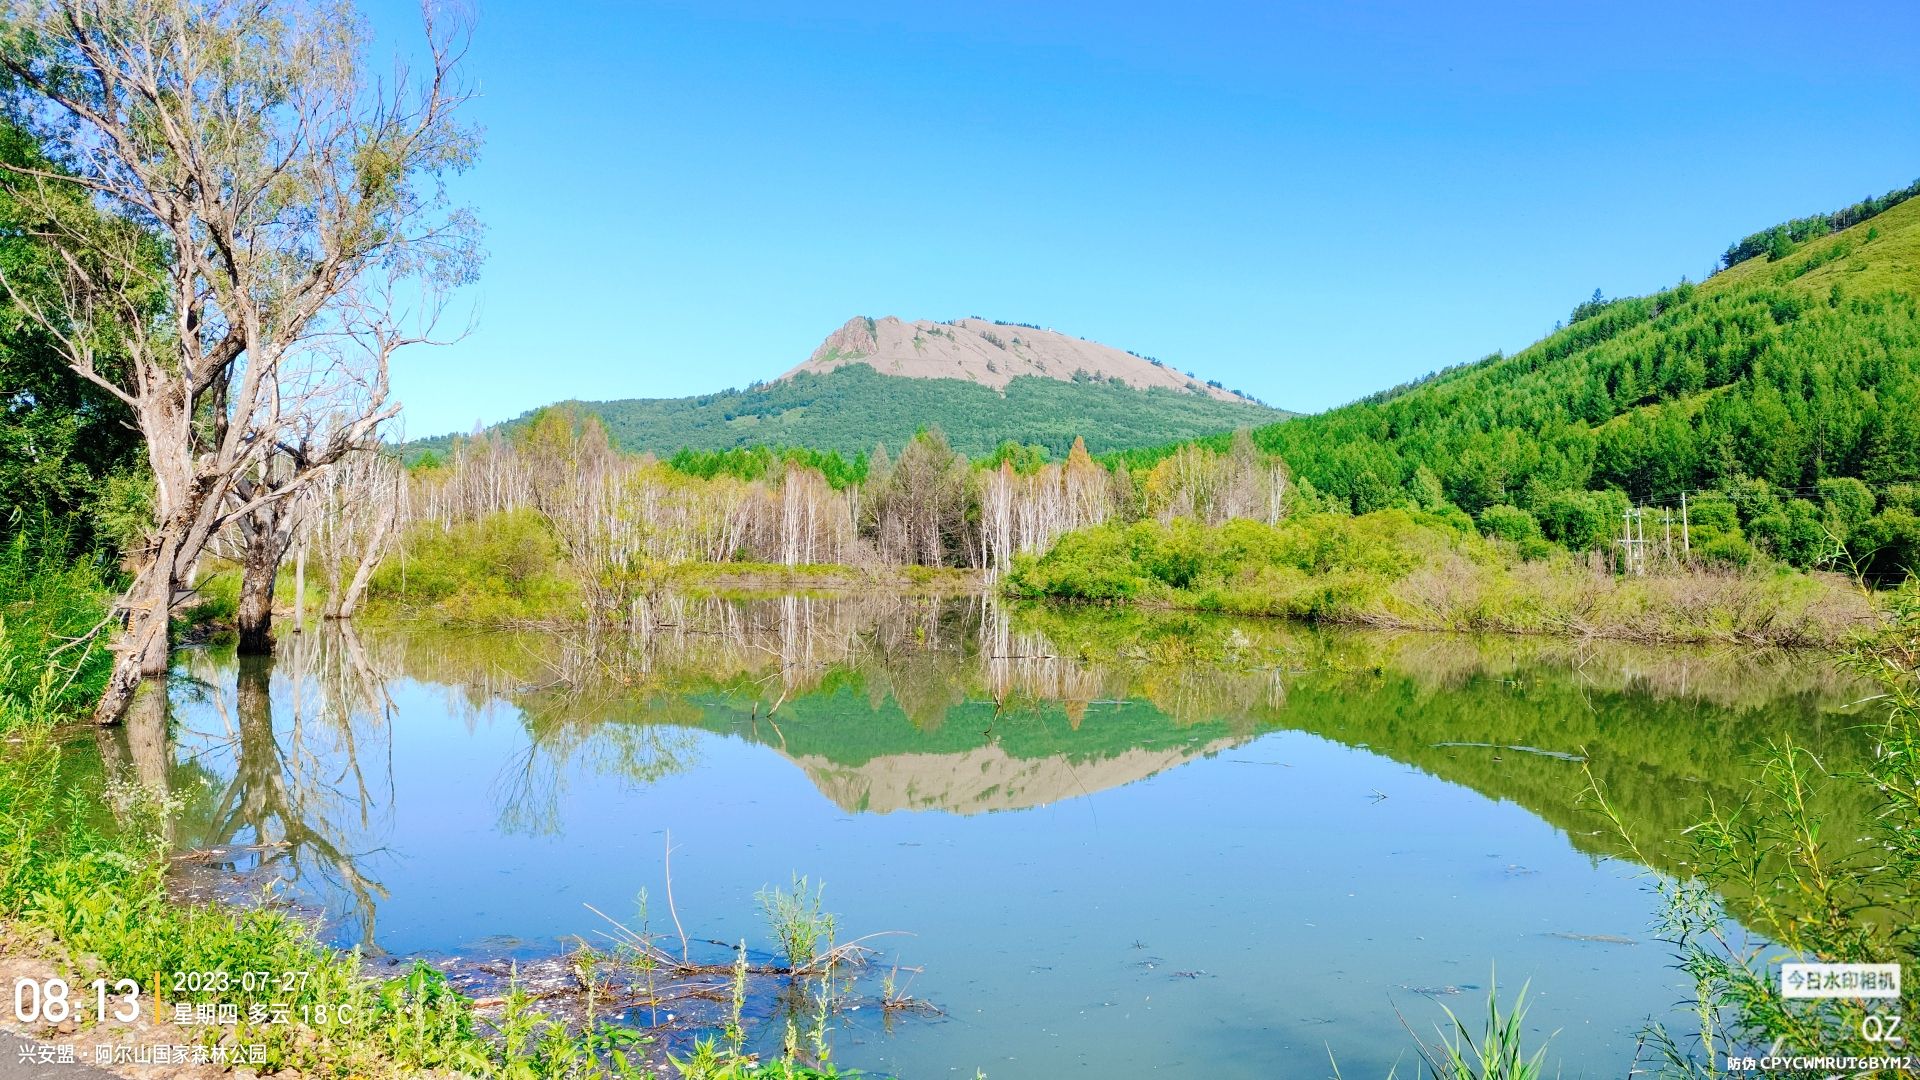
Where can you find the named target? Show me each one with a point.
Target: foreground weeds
(1497, 1052)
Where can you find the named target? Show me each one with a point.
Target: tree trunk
(140, 651)
(254, 618)
(349, 601)
(300, 589)
(268, 533)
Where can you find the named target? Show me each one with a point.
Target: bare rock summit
(989, 353)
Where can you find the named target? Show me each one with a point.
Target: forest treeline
(1768, 417)
(850, 407)
(1780, 241)
(513, 521)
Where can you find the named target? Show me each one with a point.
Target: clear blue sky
(1307, 203)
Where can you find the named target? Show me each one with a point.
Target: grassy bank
(1414, 570)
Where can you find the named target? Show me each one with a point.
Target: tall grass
(1498, 1054)
(53, 637)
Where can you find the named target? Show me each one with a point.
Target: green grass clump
(799, 921)
(1498, 1052)
(502, 569)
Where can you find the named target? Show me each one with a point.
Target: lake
(1114, 842)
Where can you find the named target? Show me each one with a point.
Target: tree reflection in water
(304, 752)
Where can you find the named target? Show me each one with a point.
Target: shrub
(1714, 512)
(505, 567)
(1582, 520)
(1794, 533)
(1509, 523)
(1846, 503)
(1723, 547)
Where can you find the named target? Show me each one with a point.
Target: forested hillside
(852, 408)
(1782, 396)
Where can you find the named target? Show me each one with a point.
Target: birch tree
(283, 184)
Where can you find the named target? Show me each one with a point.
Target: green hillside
(1787, 385)
(851, 408)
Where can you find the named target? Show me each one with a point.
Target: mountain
(982, 383)
(1785, 389)
(992, 354)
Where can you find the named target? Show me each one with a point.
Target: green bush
(1327, 559)
(1582, 520)
(1713, 512)
(1721, 547)
(1846, 503)
(1509, 523)
(1795, 533)
(1891, 541)
(502, 568)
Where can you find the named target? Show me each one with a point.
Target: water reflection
(891, 704)
(1018, 785)
(292, 776)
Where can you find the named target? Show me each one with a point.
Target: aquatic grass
(799, 923)
(1500, 1052)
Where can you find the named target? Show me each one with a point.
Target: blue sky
(1308, 203)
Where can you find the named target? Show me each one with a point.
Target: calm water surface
(1120, 844)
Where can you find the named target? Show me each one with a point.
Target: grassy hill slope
(1789, 382)
(851, 408)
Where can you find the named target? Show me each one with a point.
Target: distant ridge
(982, 383)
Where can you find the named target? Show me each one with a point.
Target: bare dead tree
(1198, 483)
(360, 513)
(340, 383)
(1020, 513)
(244, 148)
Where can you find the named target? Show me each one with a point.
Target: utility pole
(1633, 540)
(1640, 524)
(1686, 538)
